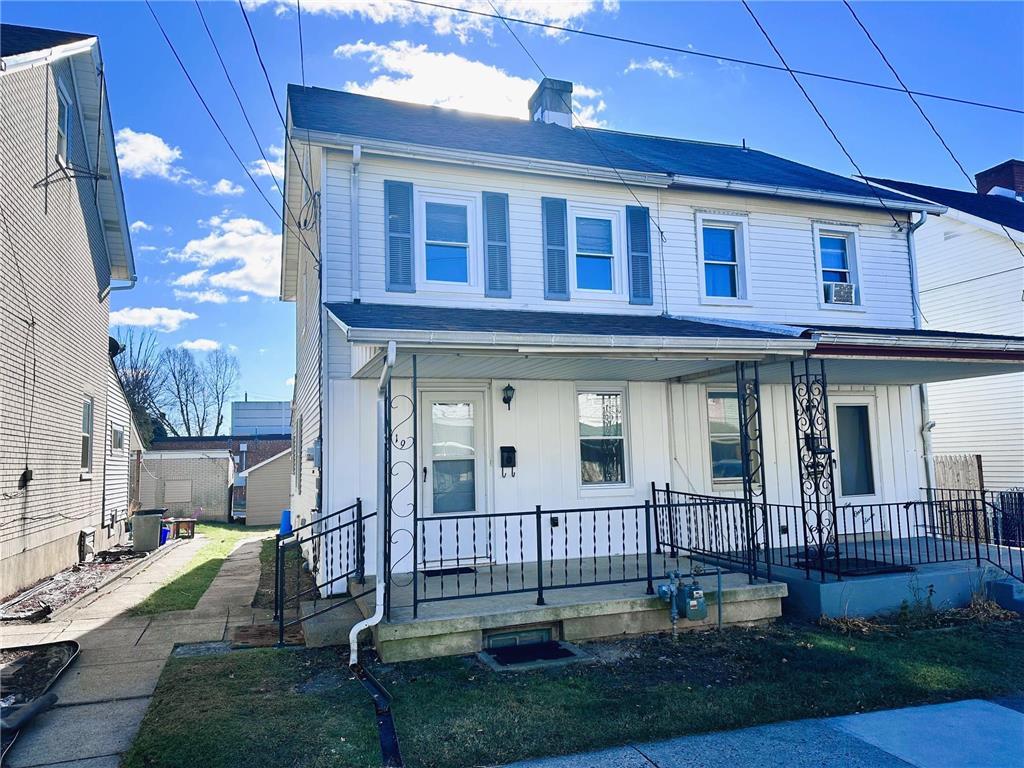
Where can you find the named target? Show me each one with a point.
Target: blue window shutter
(638, 231)
(556, 248)
(399, 272)
(497, 265)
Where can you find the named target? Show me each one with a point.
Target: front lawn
(302, 707)
(184, 590)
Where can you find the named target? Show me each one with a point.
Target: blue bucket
(286, 522)
(164, 533)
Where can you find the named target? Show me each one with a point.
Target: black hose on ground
(391, 755)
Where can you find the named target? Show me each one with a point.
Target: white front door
(453, 479)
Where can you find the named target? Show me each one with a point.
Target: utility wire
(217, 124)
(567, 101)
(971, 279)
(706, 55)
(903, 85)
(818, 112)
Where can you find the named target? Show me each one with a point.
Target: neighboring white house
(261, 417)
(972, 279)
(64, 245)
(508, 329)
(188, 483)
(268, 489)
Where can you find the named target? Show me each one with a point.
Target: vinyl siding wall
(116, 461)
(783, 273)
(983, 415)
(267, 491)
(53, 268)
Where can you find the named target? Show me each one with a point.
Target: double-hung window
(116, 438)
(595, 253)
(87, 431)
(835, 259)
(446, 241)
(721, 247)
(836, 250)
(724, 434)
(63, 122)
(600, 415)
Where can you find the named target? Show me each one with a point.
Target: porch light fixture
(507, 394)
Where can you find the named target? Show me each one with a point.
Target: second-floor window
(447, 242)
(836, 249)
(595, 253)
(63, 122)
(87, 421)
(721, 248)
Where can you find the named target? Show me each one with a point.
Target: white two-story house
(544, 357)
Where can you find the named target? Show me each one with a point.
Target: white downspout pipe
(357, 155)
(379, 575)
(927, 424)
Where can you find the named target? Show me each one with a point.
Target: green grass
(183, 591)
(302, 708)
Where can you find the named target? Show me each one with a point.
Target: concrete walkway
(105, 693)
(964, 734)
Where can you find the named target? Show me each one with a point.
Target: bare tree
(141, 375)
(182, 380)
(221, 376)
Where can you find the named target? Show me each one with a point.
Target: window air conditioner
(840, 293)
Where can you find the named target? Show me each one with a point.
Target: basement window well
(527, 649)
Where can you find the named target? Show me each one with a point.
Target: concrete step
(1008, 593)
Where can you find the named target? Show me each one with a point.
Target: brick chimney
(1007, 176)
(552, 102)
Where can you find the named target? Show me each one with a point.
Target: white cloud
(140, 226)
(272, 166)
(200, 345)
(247, 247)
(208, 296)
(226, 187)
(290, 381)
(189, 279)
(232, 348)
(140, 155)
(450, 22)
(162, 319)
(657, 66)
(147, 248)
(413, 73)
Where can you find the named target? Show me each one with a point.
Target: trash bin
(164, 533)
(146, 526)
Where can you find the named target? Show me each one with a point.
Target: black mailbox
(508, 459)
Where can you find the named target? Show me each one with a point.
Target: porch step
(459, 627)
(1007, 593)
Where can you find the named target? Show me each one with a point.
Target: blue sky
(206, 244)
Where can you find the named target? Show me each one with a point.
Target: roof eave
(884, 341)
(43, 56)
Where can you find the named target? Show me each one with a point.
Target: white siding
(983, 415)
(116, 460)
(784, 282)
(267, 491)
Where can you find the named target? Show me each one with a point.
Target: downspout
(378, 613)
(927, 424)
(357, 154)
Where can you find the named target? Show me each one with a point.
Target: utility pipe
(927, 423)
(378, 613)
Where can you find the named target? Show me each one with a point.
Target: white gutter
(804, 194)
(379, 575)
(111, 288)
(945, 343)
(357, 154)
(44, 56)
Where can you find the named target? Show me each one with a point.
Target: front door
(453, 479)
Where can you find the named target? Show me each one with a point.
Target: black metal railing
(334, 546)
(468, 555)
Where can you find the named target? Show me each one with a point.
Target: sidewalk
(963, 734)
(106, 691)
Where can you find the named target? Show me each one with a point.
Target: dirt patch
(296, 578)
(38, 601)
(918, 617)
(26, 673)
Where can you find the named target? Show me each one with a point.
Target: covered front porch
(518, 451)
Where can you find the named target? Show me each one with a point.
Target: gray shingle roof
(16, 39)
(421, 318)
(350, 114)
(995, 208)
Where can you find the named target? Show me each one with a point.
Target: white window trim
(85, 472)
(852, 234)
(835, 400)
(114, 427)
(65, 97)
(603, 489)
(474, 232)
(620, 276)
(728, 484)
(739, 224)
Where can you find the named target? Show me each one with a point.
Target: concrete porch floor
(456, 627)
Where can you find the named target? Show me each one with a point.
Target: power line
(972, 279)
(567, 101)
(816, 110)
(216, 123)
(706, 55)
(903, 85)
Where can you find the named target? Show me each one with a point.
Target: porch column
(814, 461)
(748, 398)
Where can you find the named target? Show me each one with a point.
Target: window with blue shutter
(398, 251)
(556, 257)
(638, 233)
(497, 266)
